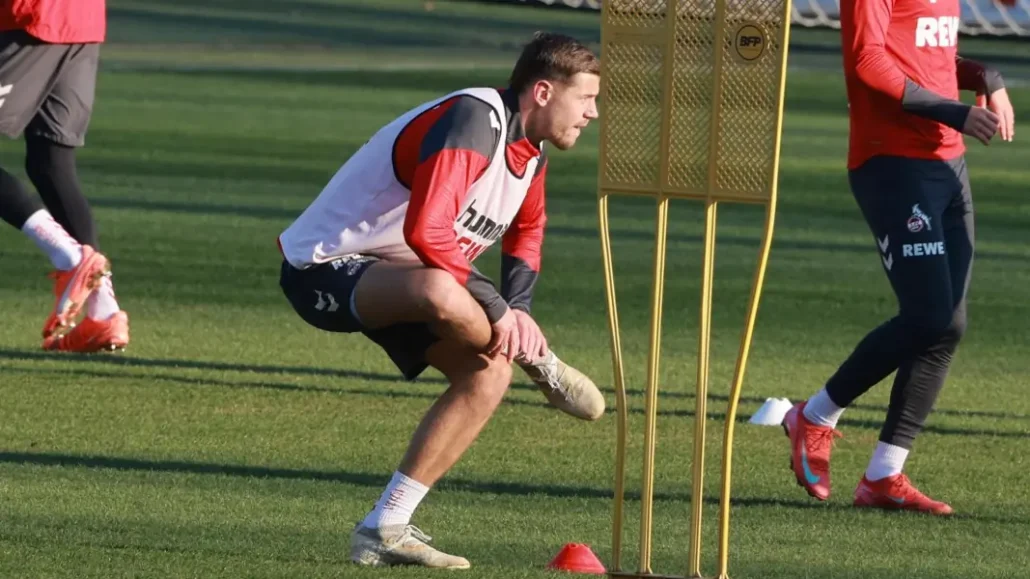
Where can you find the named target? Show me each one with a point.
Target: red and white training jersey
(884, 43)
(439, 185)
(56, 21)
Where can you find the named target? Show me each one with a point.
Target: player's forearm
(484, 292)
(877, 70)
(518, 280)
(928, 104)
(978, 77)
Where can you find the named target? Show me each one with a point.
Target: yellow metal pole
(651, 396)
(620, 385)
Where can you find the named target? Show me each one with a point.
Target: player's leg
(477, 386)
(904, 215)
(28, 71)
(390, 294)
(920, 379)
(51, 139)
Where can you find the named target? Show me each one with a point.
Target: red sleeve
(525, 237)
(437, 191)
(868, 56)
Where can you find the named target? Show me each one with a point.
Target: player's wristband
(993, 80)
(928, 104)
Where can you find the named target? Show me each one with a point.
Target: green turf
(231, 440)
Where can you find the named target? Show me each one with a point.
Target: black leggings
(52, 169)
(921, 214)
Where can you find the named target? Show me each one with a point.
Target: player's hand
(1002, 106)
(505, 339)
(532, 343)
(981, 124)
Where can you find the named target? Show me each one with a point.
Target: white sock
(888, 460)
(101, 304)
(397, 503)
(64, 252)
(822, 411)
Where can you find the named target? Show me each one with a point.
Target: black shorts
(47, 90)
(323, 296)
(921, 213)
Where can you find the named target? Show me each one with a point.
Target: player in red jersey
(48, 66)
(907, 173)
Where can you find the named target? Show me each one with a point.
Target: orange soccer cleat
(92, 336)
(71, 288)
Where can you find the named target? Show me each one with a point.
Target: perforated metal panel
(691, 99)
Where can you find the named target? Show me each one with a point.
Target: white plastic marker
(772, 412)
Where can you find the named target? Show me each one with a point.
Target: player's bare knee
(441, 297)
(495, 378)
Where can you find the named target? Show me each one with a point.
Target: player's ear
(543, 92)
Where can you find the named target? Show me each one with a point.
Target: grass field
(232, 440)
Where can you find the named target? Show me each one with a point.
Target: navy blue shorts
(323, 296)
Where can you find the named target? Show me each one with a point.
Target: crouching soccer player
(387, 248)
(908, 175)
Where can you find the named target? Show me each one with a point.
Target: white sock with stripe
(62, 249)
(397, 503)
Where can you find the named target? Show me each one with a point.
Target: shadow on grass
(377, 480)
(416, 394)
(361, 479)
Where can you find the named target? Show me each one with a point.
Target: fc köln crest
(919, 220)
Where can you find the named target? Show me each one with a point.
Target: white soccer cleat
(565, 387)
(399, 545)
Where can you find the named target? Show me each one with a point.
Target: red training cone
(577, 558)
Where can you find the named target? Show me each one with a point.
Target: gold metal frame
(692, 97)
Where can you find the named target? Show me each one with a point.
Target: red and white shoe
(92, 336)
(810, 446)
(896, 493)
(71, 288)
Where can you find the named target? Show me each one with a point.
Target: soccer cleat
(399, 545)
(896, 493)
(92, 336)
(72, 287)
(566, 388)
(810, 451)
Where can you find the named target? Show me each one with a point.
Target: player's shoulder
(475, 109)
(464, 120)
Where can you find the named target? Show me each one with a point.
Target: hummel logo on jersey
(919, 220)
(476, 232)
(936, 32)
(481, 225)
